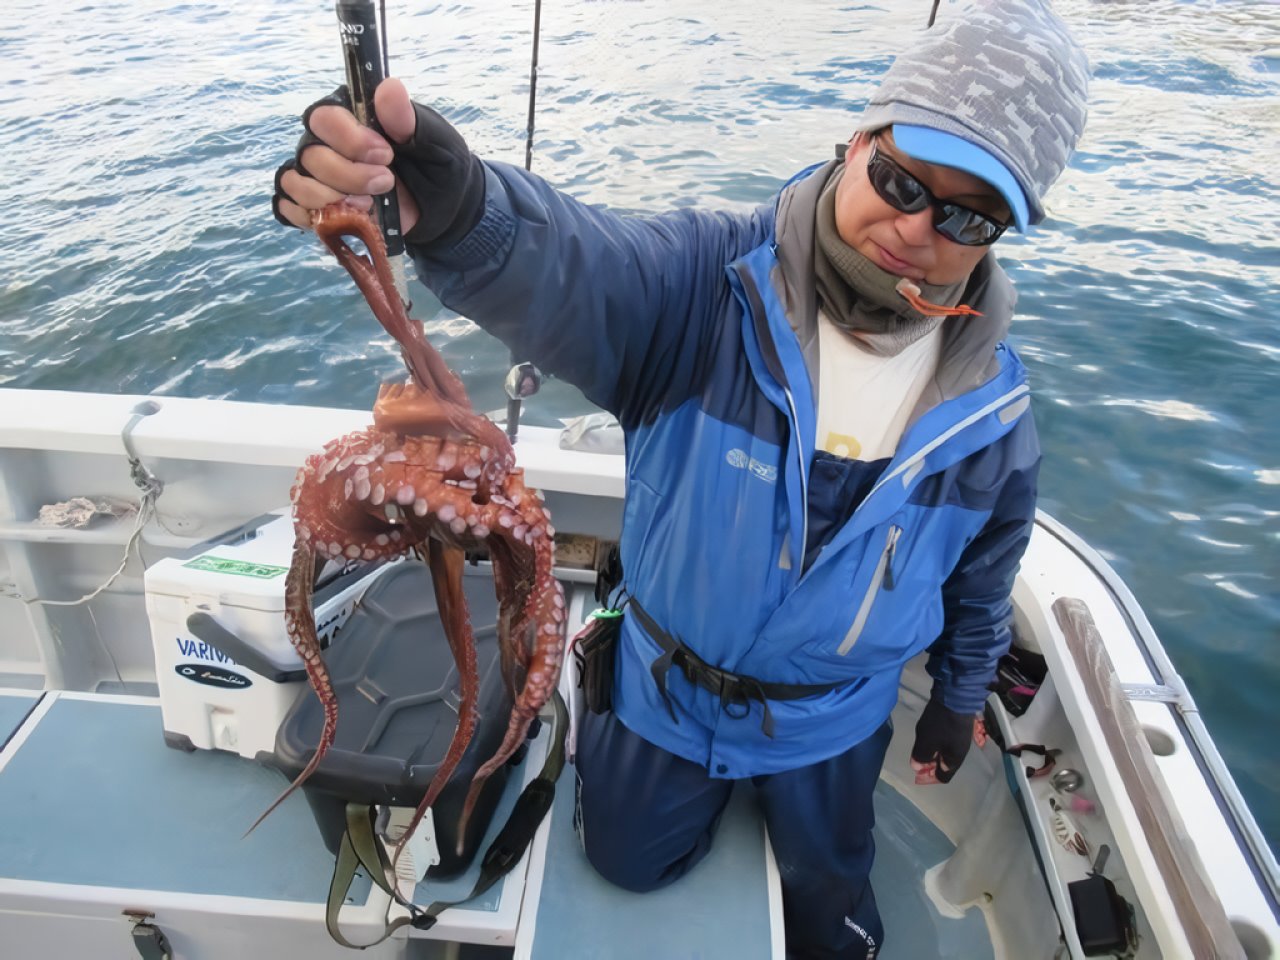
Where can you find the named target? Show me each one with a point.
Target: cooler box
(397, 690)
(226, 670)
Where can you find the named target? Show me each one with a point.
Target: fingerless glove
(445, 179)
(943, 736)
(443, 176)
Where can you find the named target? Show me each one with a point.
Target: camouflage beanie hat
(1003, 75)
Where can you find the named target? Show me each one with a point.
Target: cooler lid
(245, 567)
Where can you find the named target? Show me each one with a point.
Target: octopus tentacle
(300, 625)
(512, 644)
(372, 275)
(540, 680)
(446, 575)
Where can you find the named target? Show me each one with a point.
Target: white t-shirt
(865, 400)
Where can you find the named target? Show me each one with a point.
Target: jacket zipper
(916, 462)
(804, 478)
(760, 317)
(882, 576)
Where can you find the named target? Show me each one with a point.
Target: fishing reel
(523, 381)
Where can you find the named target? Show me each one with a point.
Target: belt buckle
(683, 661)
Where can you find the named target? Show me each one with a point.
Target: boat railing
(1188, 717)
(1204, 921)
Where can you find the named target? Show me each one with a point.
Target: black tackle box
(398, 699)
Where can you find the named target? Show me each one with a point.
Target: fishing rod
(364, 54)
(524, 379)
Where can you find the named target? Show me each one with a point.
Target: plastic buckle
(501, 858)
(423, 921)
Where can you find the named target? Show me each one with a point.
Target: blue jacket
(677, 325)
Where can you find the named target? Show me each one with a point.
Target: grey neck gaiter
(859, 297)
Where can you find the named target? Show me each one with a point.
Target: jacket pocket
(882, 578)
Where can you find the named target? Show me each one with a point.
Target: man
(828, 472)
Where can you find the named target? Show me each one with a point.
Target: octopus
(433, 478)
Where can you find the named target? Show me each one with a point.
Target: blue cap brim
(933, 146)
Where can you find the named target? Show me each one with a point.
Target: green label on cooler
(236, 568)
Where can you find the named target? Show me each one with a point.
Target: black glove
(943, 736)
(443, 176)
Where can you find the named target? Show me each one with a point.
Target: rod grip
(362, 55)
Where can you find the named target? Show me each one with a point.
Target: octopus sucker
(434, 479)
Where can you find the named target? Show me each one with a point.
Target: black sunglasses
(904, 192)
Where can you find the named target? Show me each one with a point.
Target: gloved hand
(439, 181)
(942, 741)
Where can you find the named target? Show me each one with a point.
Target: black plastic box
(397, 690)
(1104, 920)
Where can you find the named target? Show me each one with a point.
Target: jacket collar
(968, 343)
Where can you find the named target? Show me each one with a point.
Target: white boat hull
(221, 463)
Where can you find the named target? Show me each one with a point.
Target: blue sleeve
(976, 597)
(619, 306)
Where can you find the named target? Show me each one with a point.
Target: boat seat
(729, 905)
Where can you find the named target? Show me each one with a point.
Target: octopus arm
(446, 576)
(300, 625)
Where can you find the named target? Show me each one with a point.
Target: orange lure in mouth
(911, 293)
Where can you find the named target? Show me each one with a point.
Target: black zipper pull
(887, 583)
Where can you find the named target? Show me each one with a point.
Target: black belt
(734, 690)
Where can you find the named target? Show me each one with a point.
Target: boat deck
(66, 816)
(80, 841)
(75, 767)
(14, 707)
